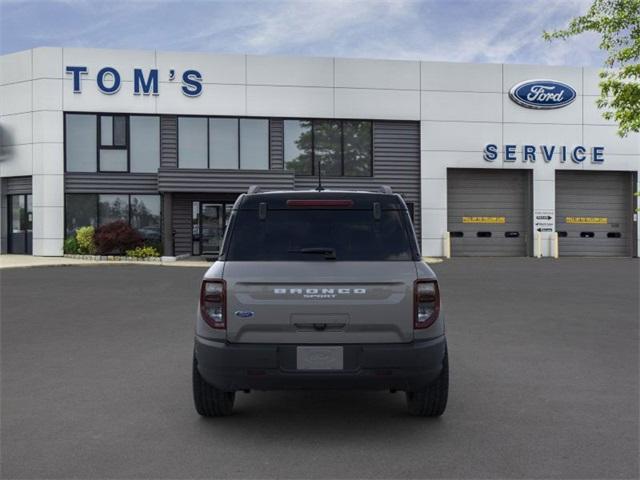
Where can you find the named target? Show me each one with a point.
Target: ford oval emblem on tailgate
(244, 314)
(542, 94)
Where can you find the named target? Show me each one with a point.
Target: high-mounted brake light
(426, 303)
(213, 303)
(320, 203)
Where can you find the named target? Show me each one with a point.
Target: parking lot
(96, 382)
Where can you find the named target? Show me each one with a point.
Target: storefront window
(192, 142)
(357, 148)
(145, 143)
(297, 146)
(113, 160)
(80, 142)
(223, 142)
(327, 141)
(254, 144)
(80, 211)
(112, 208)
(145, 217)
(113, 143)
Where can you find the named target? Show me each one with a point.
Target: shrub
(116, 237)
(85, 242)
(70, 245)
(143, 252)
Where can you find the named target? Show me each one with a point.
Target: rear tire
(210, 401)
(432, 401)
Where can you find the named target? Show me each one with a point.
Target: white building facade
(168, 140)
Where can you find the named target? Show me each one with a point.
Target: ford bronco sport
(320, 290)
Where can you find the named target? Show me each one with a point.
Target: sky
(486, 31)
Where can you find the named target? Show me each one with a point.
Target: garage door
(593, 213)
(488, 212)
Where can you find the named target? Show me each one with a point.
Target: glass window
(113, 160)
(357, 148)
(29, 219)
(293, 235)
(112, 208)
(327, 140)
(254, 144)
(106, 130)
(80, 142)
(223, 142)
(145, 217)
(81, 210)
(145, 143)
(17, 213)
(113, 131)
(195, 228)
(192, 142)
(297, 146)
(120, 131)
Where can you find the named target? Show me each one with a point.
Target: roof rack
(254, 189)
(386, 189)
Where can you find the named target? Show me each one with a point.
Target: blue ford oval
(542, 94)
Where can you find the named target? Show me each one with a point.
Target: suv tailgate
(320, 302)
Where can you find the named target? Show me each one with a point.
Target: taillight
(213, 303)
(426, 303)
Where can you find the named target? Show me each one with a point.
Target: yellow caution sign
(484, 220)
(587, 220)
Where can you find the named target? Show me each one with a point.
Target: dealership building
(491, 159)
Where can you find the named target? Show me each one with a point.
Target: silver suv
(320, 290)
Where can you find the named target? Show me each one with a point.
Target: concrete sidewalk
(26, 261)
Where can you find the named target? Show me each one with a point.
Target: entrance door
(20, 221)
(211, 228)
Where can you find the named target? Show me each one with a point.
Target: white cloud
(455, 30)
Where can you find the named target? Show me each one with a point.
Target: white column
(48, 153)
(544, 199)
(433, 203)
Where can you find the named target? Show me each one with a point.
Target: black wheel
(209, 401)
(432, 401)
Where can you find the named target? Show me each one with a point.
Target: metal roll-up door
(489, 212)
(594, 213)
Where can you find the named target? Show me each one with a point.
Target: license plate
(320, 358)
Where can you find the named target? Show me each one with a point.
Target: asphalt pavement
(96, 365)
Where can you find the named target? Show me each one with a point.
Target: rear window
(320, 235)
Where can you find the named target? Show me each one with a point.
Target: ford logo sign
(244, 314)
(542, 94)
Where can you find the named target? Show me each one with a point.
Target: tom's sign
(542, 94)
(108, 80)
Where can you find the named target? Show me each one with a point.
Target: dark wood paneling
(234, 181)
(168, 141)
(110, 183)
(18, 185)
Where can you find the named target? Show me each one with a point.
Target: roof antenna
(320, 187)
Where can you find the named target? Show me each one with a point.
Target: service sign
(485, 220)
(542, 94)
(544, 220)
(587, 220)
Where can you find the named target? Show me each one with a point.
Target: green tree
(618, 23)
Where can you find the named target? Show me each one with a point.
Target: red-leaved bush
(116, 238)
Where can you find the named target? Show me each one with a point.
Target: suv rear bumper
(404, 366)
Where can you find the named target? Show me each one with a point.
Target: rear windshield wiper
(329, 253)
